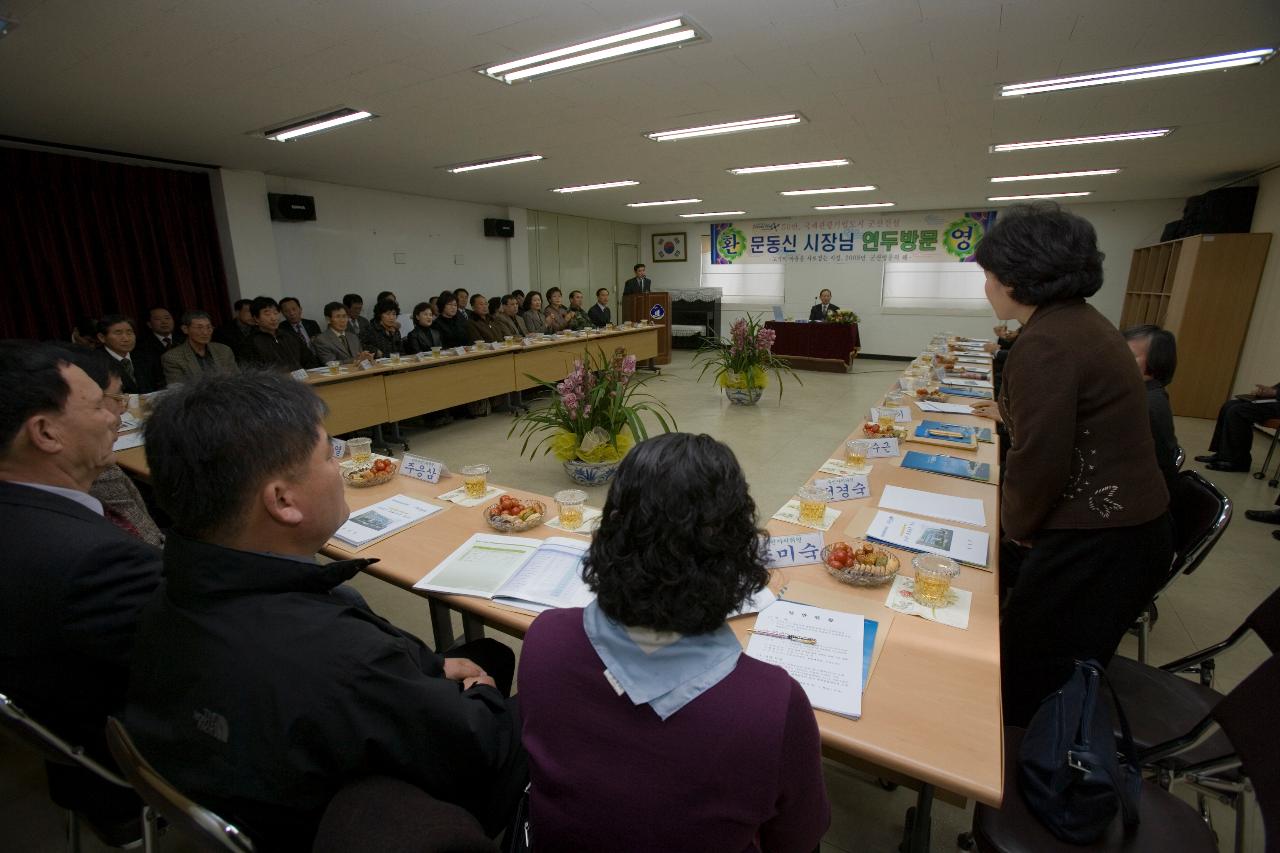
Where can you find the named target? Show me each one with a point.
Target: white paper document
(949, 408)
(963, 510)
(755, 603)
(376, 522)
(821, 649)
(974, 359)
(932, 537)
(531, 574)
(129, 439)
(969, 383)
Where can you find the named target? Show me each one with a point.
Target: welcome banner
(931, 236)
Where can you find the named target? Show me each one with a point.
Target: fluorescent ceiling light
(1141, 72)
(661, 203)
(714, 213)
(852, 206)
(1036, 195)
(640, 40)
(786, 167)
(1082, 140)
(605, 186)
(726, 127)
(320, 123)
(1088, 173)
(489, 164)
(825, 190)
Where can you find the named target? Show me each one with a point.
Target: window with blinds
(918, 288)
(746, 284)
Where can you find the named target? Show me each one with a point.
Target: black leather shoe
(1225, 466)
(1275, 534)
(1212, 457)
(1266, 516)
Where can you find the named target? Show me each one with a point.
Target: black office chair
(59, 751)
(210, 833)
(1201, 513)
(1274, 425)
(392, 816)
(1162, 706)
(1179, 457)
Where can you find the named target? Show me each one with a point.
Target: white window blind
(748, 284)
(934, 288)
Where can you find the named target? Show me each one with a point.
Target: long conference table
(931, 714)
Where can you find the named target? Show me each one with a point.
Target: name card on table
(366, 365)
(883, 448)
(339, 447)
(799, 549)
(844, 488)
(421, 468)
(299, 374)
(901, 414)
(459, 350)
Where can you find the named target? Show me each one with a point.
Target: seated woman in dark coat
(383, 337)
(424, 335)
(1083, 506)
(1156, 352)
(452, 323)
(642, 707)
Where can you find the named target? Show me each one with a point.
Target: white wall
(244, 229)
(575, 253)
(1260, 359)
(364, 241)
(1122, 227)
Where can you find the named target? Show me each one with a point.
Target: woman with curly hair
(646, 727)
(1088, 540)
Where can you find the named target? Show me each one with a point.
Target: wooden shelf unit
(1202, 289)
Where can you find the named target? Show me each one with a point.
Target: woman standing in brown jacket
(1083, 513)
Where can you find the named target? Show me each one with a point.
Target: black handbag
(1072, 777)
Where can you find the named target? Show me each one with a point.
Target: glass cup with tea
(360, 449)
(813, 505)
(934, 575)
(855, 452)
(571, 503)
(333, 367)
(475, 479)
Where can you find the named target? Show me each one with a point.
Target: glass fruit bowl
(860, 563)
(511, 515)
(372, 472)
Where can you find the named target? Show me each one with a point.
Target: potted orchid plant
(743, 361)
(594, 417)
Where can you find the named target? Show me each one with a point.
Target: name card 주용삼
(844, 488)
(799, 549)
(883, 448)
(421, 468)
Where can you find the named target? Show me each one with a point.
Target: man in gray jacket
(338, 342)
(198, 354)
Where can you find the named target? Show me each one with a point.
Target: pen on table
(809, 641)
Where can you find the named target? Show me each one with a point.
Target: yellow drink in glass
(813, 505)
(886, 420)
(360, 448)
(475, 480)
(933, 579)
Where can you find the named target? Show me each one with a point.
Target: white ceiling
(903, 88)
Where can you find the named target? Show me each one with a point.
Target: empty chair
(1201, 513)
(392, 816)
(58, 751)
(1274, 426)
(210, 832)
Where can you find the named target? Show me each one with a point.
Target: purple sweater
(737, 769)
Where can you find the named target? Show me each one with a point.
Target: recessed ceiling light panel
(854, 206)
(607, 185)
(713, 213)
(490, 164)
(787, 167)
(664, 203)
(670, 33)
(1154, 133)
(1088, 173)
(317, 124)
(1141, 72)
(1037, 195)
(726, 127)
(826, 190)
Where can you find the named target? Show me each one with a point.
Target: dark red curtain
(85, 238)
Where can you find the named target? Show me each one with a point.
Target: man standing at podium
(824, 308)
(638, 284)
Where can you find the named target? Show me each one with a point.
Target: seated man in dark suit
(119, 342)
(198, 353)
(235, 333)
(1232, 442)
(157, 339)
(273, 348)
(73, 581)
(294, 322)
(824, 308)
(599, 313)
(282, 691)
(638, 283)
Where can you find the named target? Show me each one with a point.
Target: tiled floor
(778, 444)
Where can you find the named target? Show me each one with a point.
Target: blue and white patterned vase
(744, 396)
(590, 473)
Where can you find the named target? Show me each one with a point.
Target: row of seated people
(275, 335)
(256, 681)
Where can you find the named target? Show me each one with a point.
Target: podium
(638, 307)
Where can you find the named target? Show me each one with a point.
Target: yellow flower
(759, 379)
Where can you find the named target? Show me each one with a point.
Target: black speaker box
(1172, 231)
(1228, 210)
(291, 208)
(499, 228)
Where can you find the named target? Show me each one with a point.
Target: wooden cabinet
(1202, 289)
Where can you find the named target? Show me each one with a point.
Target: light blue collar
(665, 672)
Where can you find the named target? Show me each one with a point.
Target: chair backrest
(1245, 715)
(1201, 513)
(210, 832)
(392, 816)
(49, 744)
(1265, 621)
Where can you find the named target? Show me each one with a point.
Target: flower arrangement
(845, 318)
(745, 359)
(595, 411)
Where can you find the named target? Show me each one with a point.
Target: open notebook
(530, 574)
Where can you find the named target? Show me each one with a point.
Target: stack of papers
(931, 537)
(824, 650)
(963, 510)
(948, 408)
(377, 522)
(529, 574)
(951, 466)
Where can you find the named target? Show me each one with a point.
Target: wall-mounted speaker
(499, 228)
(291, 208)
